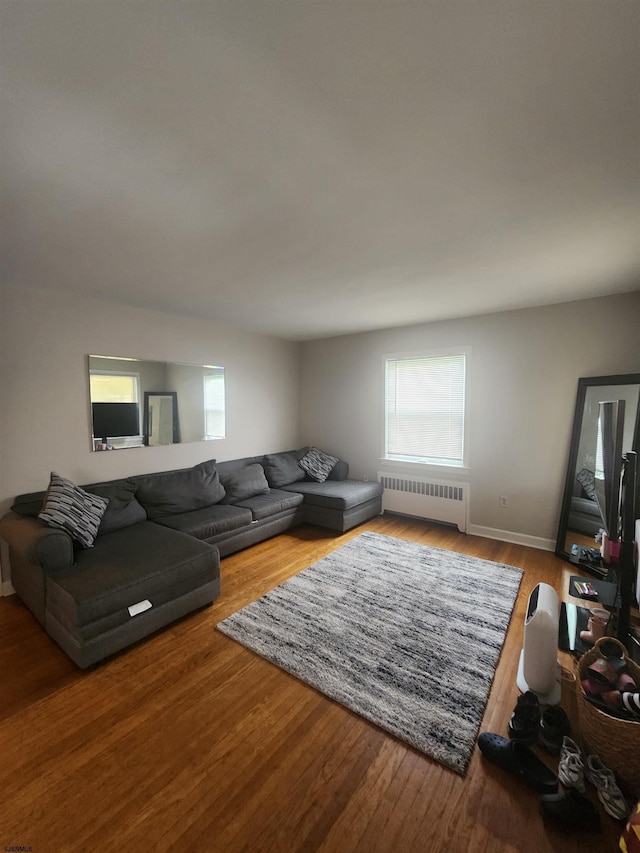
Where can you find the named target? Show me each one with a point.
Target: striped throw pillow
(317, 465)
(74, 510)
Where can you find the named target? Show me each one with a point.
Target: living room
(91, 266)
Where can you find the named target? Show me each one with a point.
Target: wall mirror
(581, 518)
(138, 403)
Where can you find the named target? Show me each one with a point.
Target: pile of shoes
(610, 686)
(573, 769)
(530, 724)
(569, 810)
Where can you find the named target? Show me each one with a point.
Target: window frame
(129, 374)
(121, 441)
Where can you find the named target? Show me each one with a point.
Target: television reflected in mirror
(115, 420)
(137, 402)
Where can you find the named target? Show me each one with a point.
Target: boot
(596, 626)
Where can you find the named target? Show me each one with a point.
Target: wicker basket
(616, 741)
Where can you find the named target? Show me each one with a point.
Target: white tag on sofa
(140, 607)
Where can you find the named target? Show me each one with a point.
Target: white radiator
(438, 500)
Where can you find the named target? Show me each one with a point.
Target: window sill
(424, 468)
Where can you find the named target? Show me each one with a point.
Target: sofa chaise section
(104, 602)
(82, 596)
(339, 505)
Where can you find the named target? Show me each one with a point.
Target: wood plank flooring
(190, 742)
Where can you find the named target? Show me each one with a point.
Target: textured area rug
(406, 635)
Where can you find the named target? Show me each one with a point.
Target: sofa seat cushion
(336, 494)
(273, 503)
(133, 564)
(587, 506)
(208, 522)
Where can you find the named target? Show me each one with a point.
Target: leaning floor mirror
(141, 403)
(581, 516)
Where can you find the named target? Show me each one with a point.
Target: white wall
(524, 370)
(523, 378)
(45, 413)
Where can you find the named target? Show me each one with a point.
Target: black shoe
(525, 719)
(570, 811)
(514, 756)
(554, 725)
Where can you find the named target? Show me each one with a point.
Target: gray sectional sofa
(156, 555)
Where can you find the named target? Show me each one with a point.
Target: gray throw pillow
(175, 492)
(74, 510)
(244, 483)
(282, 469)
(317, 464)
(124, 508)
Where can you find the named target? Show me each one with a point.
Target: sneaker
(571, 766)
(554, 726)
(631, 703)
(525, 719)
(607, 788)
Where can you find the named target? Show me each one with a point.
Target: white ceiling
(306, 169)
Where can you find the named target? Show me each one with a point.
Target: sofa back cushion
(28, 504)
(340, 471)
(281, 469)
(124, 509)
(244, 483)
(174, 492)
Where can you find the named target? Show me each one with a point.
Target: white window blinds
(214, 426)
(425, 406)
(114, 387)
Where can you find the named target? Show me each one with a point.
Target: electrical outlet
(503, 502)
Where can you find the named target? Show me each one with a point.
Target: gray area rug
(406, 635)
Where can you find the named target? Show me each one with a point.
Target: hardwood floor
(190, 742)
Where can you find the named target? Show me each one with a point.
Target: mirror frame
(146, 419)
(583, 385)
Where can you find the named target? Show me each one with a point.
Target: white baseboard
(6, 588)
(513, 538)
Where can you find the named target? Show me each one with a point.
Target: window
(425, 408)
(214, 425)
(114, 387)
(115, 408)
